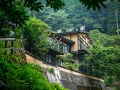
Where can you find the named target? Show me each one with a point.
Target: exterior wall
(66, 36)
(70, 79)
(76, 60)
(74, 46)
(74, 37)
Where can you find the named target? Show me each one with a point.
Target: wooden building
(58, 46)
(76, 43)
(82, 42)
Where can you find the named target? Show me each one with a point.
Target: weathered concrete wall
(74, 80)
(70, 79)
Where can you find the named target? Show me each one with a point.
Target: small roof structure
(68, 41)
(73, 32)
(55, 52)
(65, 40)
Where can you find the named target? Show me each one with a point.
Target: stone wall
(70, 79)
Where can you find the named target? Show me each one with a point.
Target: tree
(36, 38)
(58, 20)
(95, 4)
(104, 60)
(15, 10)
(72, 15)
(79, 16)
(17, 75)
(111, 17)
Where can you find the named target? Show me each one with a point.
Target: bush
(52, 71)
(56, 86)
(67, 61)
(69, 66)
(36, 38)
(17, 76)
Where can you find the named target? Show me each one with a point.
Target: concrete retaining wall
(70, 79)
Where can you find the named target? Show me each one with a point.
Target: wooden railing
(6, 40)
(58, 45)
(84, 44)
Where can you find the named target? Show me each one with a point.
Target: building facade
(75, 43)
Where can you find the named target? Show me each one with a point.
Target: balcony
(84, 45)
(58, 45)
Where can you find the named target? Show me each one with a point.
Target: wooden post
(5, 47)
(70, 48)
(12, 45)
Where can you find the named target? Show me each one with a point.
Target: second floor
(82, 40)
(70, 41)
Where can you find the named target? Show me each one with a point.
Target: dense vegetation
(104, 58)
(75, 14)
(17, 75)
(67, 61)
(36, 37)
(16, 21)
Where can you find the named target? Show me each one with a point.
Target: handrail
(84, 43)
(7, 39)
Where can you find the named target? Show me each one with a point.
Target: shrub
(67, 61)
(36, 38)
(56, 86)
(69, 65)
(52, 71)
(17, 76)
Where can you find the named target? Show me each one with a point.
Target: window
(80, 58)
(65, 48)
(48, 58)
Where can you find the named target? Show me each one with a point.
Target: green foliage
(105, 40)
(69, 58)
(73, 15)
(59, 18)
(36, 38)
(5, 32)
(17, 76)
(15, 10)
(52, 71)
(20, 77)
(69, 65)
(57, 87)
(94, 4)
(111, 17)
(104, 57)
(66, 58)
(54, 44)
(2, 44)
(67, 61)
(18, 44)
(109, 80)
